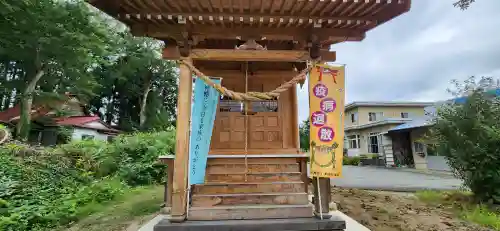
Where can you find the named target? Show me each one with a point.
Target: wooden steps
(270, 187)
(240, 159)
(254, 177)
(250, 199)
(255, 188)
(246, 212)
(252, 168)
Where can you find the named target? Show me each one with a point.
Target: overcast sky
(415, 56)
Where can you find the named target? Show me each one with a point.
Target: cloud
(415, 56)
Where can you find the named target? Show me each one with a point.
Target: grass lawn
(463, 205)
(127, 212)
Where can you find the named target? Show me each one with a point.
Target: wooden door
(229, 131)
(265, 131)
(265, 121)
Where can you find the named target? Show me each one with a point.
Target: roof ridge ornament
(250, 44)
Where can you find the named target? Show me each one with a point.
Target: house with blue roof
(367, 124)
(406, 138)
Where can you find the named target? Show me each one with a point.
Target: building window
(373, 143)
(226, 105)
(354, 141)
(230, 106)
(419, 147)
(87, 137)
(405, 115)
(111, 139)
(354, 117)
(264, 106)
(375, 116)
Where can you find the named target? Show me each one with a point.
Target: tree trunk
(10, 74)
(3, 83)
(110, 109)
(23, 126)
(142, 113)
(110, 106)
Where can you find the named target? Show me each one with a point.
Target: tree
(51, 47)
(49, 37)
(304, 131)
(468, 135)
(463, 4)
(138, 87)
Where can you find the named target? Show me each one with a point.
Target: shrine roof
(282, 20)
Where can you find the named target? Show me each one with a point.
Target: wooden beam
(248, 55)
(247, 16)
(180, 183)
(229, 74)
(215, 32)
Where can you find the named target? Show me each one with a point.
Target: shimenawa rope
(249, 96)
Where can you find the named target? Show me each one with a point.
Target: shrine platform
(335, 223)
(161, 223)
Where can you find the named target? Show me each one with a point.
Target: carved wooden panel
(273, 136)
(257, 121)
(238, 136)
(225, 123)
(229, 131)
(272, 121)
(258, 136)
(238, 123)
(224, 137)
(266, 131)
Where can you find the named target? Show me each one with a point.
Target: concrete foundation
(335, 223)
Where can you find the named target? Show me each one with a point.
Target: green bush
(41, 189)
(368, 156)
(468, 135)
(139, 153)
(133, 157)
(351, 160)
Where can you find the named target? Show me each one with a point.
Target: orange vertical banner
(326, 108)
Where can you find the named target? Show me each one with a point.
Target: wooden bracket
(185, 47)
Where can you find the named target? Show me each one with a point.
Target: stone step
(247, 212)
(254, 177)
(249, 199)
(252, 168)
(228, 188)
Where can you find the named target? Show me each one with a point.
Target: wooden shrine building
(255, 168)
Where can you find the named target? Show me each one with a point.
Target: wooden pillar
(295, 118)
(168, 186)
(324, 189)
(181, 162)
(303, 171)
(170, 179)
